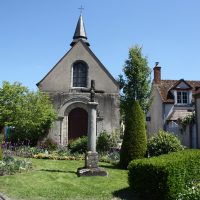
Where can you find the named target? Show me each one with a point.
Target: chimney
(157, 73)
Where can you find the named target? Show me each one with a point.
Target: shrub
(106, 141)
(134, 143)
(166, 176)
(1, 153)
(10, 165)
(110, 157)
(78, 145)
(48, 144)
(192, 192)
(116, 139)
(103, 142)
(164, 143)
(63, 151)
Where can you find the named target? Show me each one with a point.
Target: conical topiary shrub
(134, 143)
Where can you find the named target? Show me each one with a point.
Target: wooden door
(77, 123)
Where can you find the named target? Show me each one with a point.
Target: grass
(57, 180)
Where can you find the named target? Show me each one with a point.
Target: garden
(53, 179)
(49, 172)
(34, 167)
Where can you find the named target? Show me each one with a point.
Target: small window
(79, 74)
(182, 97)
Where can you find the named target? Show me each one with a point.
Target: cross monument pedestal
(91, 157)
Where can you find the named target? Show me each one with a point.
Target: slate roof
(80, 32)
(166, 85)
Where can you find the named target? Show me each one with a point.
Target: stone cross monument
(91, 158)
(92, 110)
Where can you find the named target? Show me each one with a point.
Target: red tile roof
(166, 85)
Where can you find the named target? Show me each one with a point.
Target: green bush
(48, 144)
(78, 145)
(104, 142)
(116, 138)
(109, 157)
(10, 165)
(166, 176)
(134, 143)
(192, 192)
(163, 143)
(1, 153)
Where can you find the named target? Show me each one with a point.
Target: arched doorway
(77, 123)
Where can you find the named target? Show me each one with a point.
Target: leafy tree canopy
(30, 113)
(136, 82)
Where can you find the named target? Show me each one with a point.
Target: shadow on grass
(52, 170)
(55, 170)
(113, 166)
(125, 194)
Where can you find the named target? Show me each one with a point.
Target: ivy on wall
(189, 119)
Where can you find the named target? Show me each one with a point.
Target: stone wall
(108, 116)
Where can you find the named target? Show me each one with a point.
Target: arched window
(79, 74)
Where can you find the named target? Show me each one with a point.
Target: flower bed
(10, 165)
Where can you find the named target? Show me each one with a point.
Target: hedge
(165, 176)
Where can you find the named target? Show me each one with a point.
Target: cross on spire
(81, 9)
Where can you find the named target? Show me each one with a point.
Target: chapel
(65, 82)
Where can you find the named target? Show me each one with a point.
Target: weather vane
(81, 9)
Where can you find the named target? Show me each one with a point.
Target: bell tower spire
(80, 33)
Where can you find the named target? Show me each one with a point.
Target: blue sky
(35, 34)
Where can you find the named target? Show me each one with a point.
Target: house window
(182, 97)
(79, 74)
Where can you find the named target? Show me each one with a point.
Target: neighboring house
(172, 100)
(64, 82)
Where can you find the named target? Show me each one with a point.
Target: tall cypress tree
(134, 144)
(136, 81)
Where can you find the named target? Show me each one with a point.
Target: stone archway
(64, 111)
(77, 123)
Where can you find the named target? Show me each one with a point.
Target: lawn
(57, 180)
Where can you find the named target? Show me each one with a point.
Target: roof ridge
(179, 80)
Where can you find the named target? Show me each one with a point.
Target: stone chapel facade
(64, 82)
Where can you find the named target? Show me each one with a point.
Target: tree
(134, 143)
(1, 152)
(30, 113)
(136, 82)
